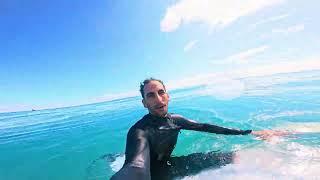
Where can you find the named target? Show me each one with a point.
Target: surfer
(152, 139)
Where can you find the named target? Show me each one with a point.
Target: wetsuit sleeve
(204, 127)
(137, 163)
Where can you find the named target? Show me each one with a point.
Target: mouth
(160, 107)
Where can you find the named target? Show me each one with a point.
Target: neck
(163, 116)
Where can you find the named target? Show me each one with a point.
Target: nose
(158, 98)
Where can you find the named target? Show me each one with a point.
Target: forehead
(152, 86)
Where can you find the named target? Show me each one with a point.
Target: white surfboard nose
(301, 127)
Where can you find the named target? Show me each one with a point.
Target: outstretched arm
(137, 163)
(193, 125)
(269, 134)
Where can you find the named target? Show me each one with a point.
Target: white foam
(285, 114)
(117, 163)
(292, 161)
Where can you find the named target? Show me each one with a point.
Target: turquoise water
(69, 143)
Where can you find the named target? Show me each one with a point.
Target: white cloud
(242, 57)
(300, 65)
(269, 20)
(230, 84)
(109, 97)
(15, 107)
(190, 45)
(291, 29)
(103, 98)
(245, 56)
(215, 13)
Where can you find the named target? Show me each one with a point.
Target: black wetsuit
(151, 141)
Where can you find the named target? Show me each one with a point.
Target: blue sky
(62, 53)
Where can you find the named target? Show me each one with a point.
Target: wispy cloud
(230, 84)
(284, 31)
(272, 68)
(291, 29)
(109, 97)
(190, 45)
(270, 20)
(244, 56)
(215, 13)
(15, 107)
(307, 64)
(103, 98)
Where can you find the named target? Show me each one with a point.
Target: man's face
(155, 98)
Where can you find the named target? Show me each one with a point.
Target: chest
(162, 141)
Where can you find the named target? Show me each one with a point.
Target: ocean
(88, 141)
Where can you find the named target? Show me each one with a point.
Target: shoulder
(138, 127)
(176, 116)
(181, 119)
(141, 124)
(178, 119)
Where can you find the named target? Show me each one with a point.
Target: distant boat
(33, 110)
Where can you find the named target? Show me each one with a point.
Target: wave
(294, 161)
(269, 116)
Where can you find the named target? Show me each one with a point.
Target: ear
(144, 103)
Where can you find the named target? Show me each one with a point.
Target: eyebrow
(152, 93)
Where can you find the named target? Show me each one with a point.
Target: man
(152, 139)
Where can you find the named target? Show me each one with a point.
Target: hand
(268, 134)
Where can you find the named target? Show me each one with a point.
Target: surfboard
(301, 127)
(175, 167)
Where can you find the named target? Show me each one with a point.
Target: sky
(63, 53)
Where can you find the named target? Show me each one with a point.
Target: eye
(161, 92)
(150, 95)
